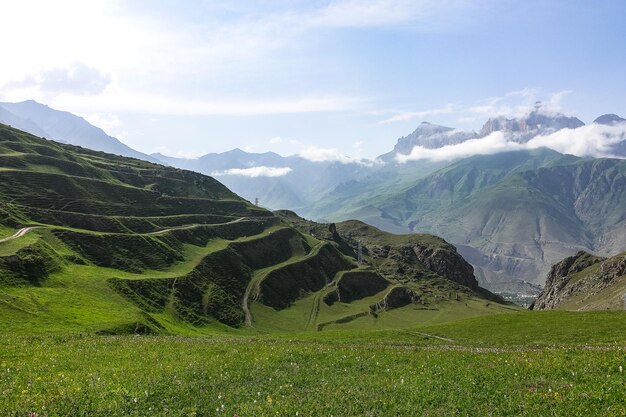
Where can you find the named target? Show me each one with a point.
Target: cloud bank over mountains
(594, 140)
(254, 172)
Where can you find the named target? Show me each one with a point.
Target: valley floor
(525, 363)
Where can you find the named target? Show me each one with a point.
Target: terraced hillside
(92, 242)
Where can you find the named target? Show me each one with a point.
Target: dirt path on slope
(19, 233)
(160, 232)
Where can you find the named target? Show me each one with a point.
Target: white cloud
(313, 153)
(255, 172)
(494, 143)
(276, 140)
(592, 140)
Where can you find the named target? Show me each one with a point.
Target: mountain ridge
(66, 127)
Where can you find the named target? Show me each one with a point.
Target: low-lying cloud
(593, 140)
(254, 172)
(315, 154)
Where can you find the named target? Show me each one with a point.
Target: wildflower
(621, 369)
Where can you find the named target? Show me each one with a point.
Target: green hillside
(91, 242)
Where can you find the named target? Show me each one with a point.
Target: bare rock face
(579, 276)
(446, 262)
(354, 285)
(397, 297)
(535, 123)
(559, 276)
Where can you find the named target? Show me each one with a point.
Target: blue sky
(319, 78)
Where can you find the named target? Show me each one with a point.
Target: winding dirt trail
(19, 233)
(160, 232)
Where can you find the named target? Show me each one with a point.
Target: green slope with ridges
(108, 244)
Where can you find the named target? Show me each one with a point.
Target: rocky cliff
(584, 282)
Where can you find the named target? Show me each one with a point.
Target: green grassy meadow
(515, 364)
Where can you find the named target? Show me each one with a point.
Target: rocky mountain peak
(609, 119)
(429, 135)
(537, 122)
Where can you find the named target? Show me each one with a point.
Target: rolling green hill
(91, 242)
(511, 215)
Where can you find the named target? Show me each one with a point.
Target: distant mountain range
(278, 182)
(43, 121)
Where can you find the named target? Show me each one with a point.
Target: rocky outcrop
(355, 285)
(581, 276)
(397, 297)
(446, 262)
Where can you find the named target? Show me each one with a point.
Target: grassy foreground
(534, 364)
